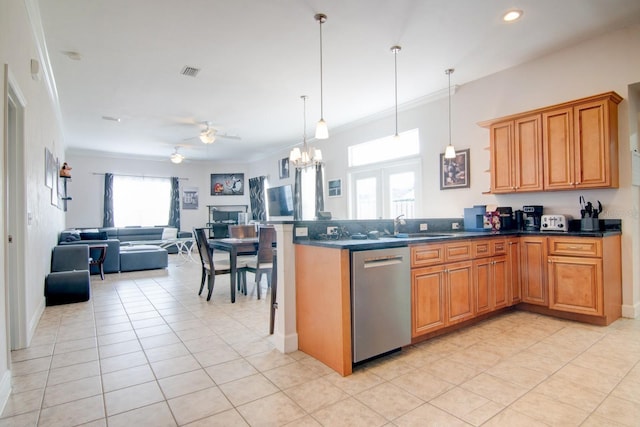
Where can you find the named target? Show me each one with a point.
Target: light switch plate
(302, 231)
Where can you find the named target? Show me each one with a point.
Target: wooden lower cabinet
(585, 278)
(513, 265)
(575, 284)
(442, 296)
(533, 270)
(491, 280)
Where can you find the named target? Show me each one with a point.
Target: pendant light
(308, 156)
(395, 50)
(176, 157)
(322, 131)
(449, 152)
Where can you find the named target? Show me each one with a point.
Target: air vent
(190, 71)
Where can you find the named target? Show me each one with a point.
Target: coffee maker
(532, 215)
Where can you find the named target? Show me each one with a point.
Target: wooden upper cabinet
(596, 143)
(558, 149)
(502, 157)
(561, 147)
(516, 155)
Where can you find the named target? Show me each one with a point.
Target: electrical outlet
(302, 231)
(424, 227)
(455, 225)
(332, 230)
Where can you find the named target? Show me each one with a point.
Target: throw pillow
(169, 233)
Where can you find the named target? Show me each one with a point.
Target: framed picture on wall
(335, 187)
(227, 184)
(284, 168)
(190, 198)
(454, 173)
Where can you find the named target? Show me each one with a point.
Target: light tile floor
(147, 351)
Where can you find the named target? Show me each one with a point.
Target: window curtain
(297, 195)
(107, 218)
(256, 196)
(174, 207)
(319, 190)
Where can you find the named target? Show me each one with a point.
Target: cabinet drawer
(575, 246)
(424, 255)
(481, 248)
(457, 251)
(488, 247)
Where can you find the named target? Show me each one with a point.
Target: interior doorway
(14, 212)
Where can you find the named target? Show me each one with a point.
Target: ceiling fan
(209, 134)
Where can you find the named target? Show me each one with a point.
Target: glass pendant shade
(450, 152)
(322, 131)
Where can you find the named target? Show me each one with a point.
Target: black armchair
(69, 280)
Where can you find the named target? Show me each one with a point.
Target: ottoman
(143, 257)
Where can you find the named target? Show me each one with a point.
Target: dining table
(235, 246)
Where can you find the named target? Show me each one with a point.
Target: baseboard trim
(631, 311)
(5, 389)
(33, 322)
(285, 343)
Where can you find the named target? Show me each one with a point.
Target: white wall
(17, 48)
(606, 63)
(87, 186)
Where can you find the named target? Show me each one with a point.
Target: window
(385, 182)
(378, 150)
(141, 201)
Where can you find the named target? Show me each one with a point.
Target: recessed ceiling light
(512, 15)
(76, 56)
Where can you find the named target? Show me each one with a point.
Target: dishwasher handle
(382, 261)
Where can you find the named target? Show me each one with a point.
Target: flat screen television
(280, 200)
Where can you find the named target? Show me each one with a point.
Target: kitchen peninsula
(456, 279)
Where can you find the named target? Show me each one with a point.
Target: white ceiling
(257, 57)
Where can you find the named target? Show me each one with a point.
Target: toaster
(553, 223)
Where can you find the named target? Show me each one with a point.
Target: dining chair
(210, 269)
(242, 231)
(262, 262)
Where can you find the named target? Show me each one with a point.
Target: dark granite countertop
(394, 242)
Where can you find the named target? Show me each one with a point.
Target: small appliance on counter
(474, 219)
(506, 218)
(532, 216)
(554, 223)
(518, 219)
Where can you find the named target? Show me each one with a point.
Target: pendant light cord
(320, 20)
(304, 121)
(449, 71)
(395, 50)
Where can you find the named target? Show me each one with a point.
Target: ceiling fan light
(177, 158)
(322, 131)
(207, 137)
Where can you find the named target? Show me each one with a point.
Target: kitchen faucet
(397, 222)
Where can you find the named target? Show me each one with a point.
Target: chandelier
(308, 156)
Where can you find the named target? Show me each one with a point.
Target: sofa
(140, 246)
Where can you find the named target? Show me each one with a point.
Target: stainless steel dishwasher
(380, 301)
